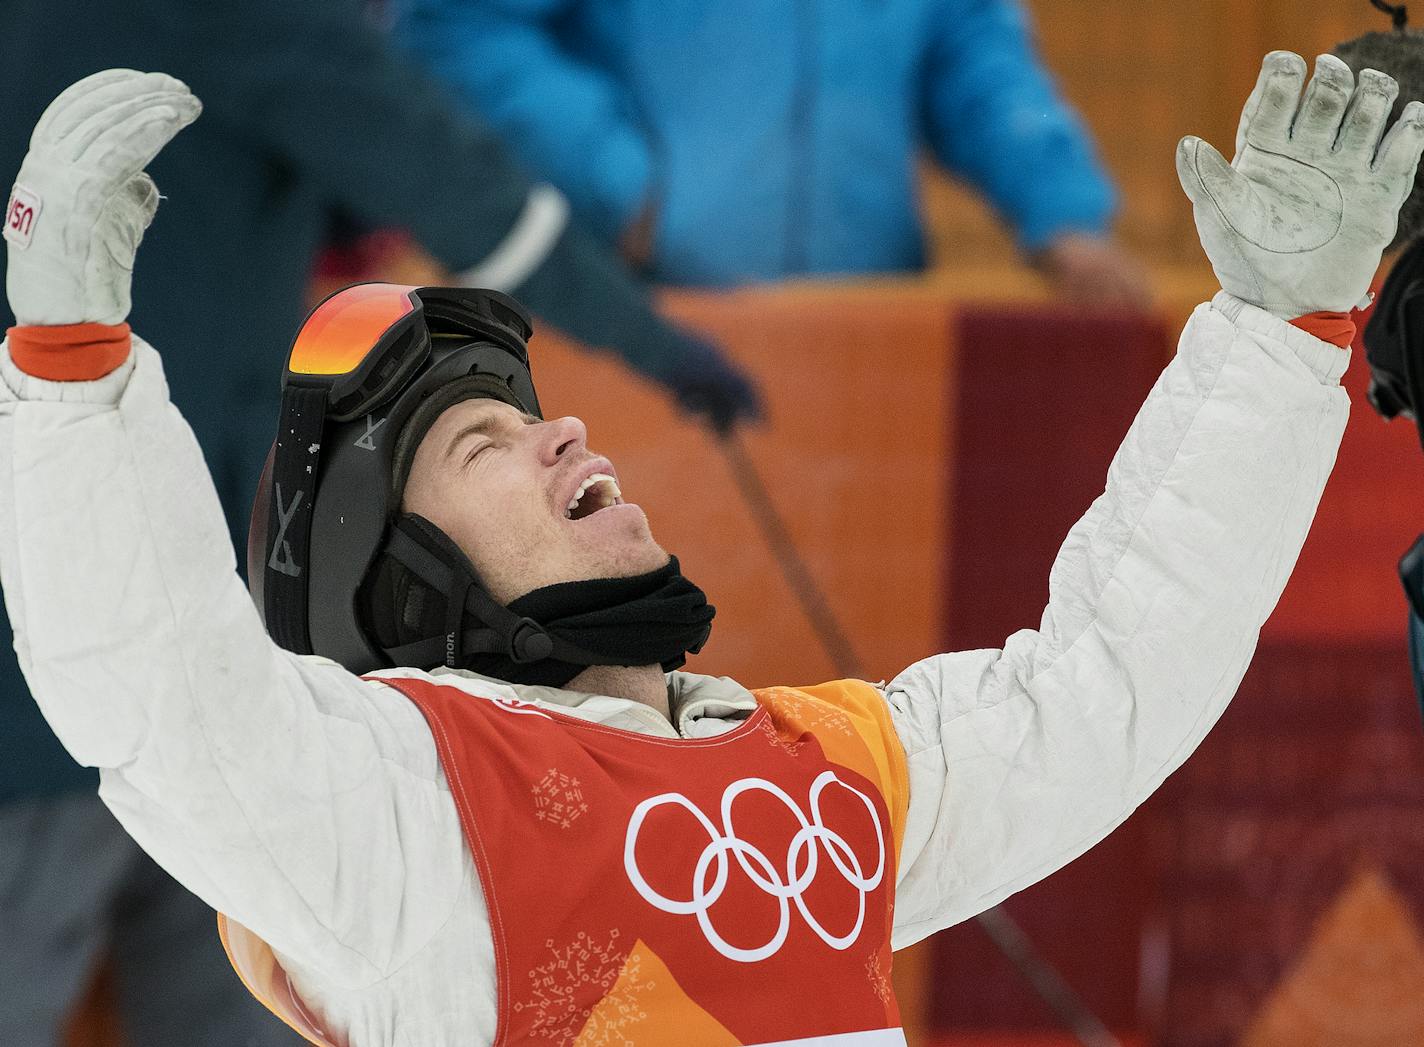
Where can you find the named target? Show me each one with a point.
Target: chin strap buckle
(529, 642)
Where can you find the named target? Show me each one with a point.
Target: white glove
(1297, 222)
(81, 202)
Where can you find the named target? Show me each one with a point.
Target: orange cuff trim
(1335, 328)
(70, 352)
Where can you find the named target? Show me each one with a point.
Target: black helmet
(370, 371)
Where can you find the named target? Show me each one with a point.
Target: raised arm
(283, 791)
(1021, 759)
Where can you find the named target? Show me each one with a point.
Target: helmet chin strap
(550, 635)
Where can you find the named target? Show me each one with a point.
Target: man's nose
(561, 436)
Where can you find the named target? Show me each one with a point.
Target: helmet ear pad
(409, 596)
(424, 604)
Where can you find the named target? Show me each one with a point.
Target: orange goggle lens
(342, 330)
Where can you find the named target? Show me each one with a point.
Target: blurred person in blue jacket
(719, 143)
(310, 112)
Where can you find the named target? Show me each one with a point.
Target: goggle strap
(295, 468)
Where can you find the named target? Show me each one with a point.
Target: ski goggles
(363, 343)
(358, 346)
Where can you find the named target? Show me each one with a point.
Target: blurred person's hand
(81, 202)
(1094, 271)
(707, 384)
(700, 377)
(1297, 222)
(636, 243)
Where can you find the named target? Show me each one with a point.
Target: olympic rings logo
(787, 884)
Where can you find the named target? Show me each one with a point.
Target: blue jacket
(776, 137)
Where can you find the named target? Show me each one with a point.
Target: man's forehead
(474, 417)
(479, 409)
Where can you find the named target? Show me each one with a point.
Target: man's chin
(647, 555)
(632, 557)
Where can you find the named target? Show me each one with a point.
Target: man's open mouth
(597, 492)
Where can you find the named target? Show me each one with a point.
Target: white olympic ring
(514, 705)
(791, 887)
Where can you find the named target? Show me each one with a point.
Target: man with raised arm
(521, 823)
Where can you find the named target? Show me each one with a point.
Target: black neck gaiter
(652, 619)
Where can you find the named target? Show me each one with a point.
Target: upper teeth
(592, 481)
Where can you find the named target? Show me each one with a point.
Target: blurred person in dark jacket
(309, 112)
(1393, 339)
(737, 141)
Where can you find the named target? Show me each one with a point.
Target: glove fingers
(57, 110)
(1368, 113)
(1399, 152)
(1326, 96)
(139, 204)
(1209, 181)
(1267, 115)
(84, 105)
(127, 147)
(76, 144)
(142, 196)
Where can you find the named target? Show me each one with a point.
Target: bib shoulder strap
(851, 721)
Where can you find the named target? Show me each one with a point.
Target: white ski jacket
(310, 805)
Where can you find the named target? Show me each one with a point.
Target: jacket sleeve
(1023, 758)
(567, 120)
(302, 801)
(992, 116)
